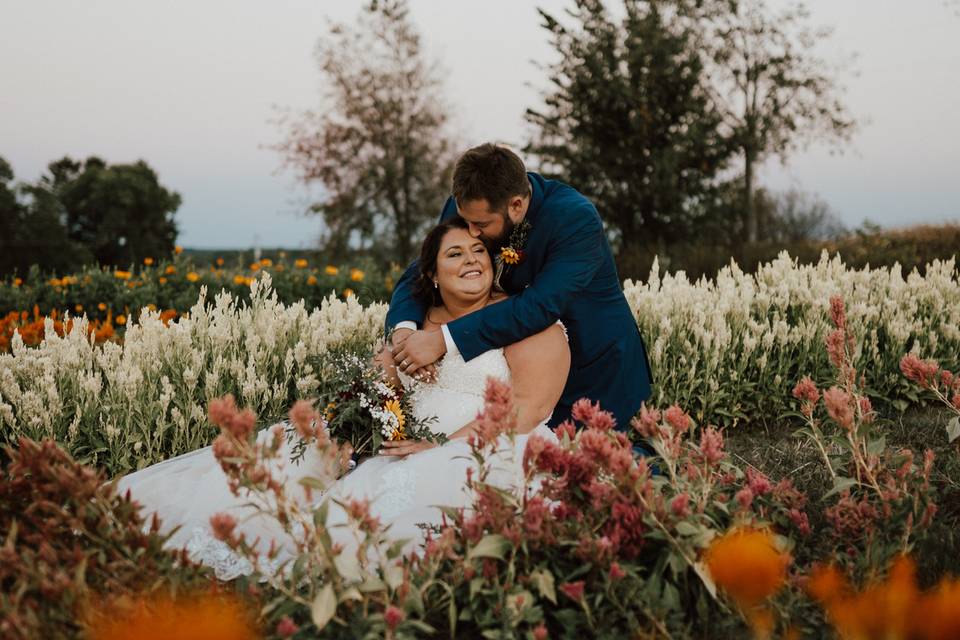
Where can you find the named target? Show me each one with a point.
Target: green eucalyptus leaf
(324, 606)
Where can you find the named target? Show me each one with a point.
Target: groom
(553, 258)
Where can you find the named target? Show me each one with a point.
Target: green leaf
(493, 545)
(348, 566)
(372, 583)
(685, 528)
(323, 607)
(841, 484)
(877, 446)
(352, 593)
(545, 584)
(953, 429)
(393, 575)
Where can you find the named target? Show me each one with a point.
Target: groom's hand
(420, 349)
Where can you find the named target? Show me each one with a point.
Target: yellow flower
(152, 307)
(328, 415)
(267, 262)
(193, 276)
(255, 266)
(122, 275)
(148, 261)
(347, 292)
(170, 270)
(331, 270)
(300, 263)
(102, 306)
(178, 249)
(393, 406)
(53, 282)
(356, 275)
(121, 319)
(162, 280)
(17, 282)
(239, 279)
(312, 280)
(219, 262)
(510, 255)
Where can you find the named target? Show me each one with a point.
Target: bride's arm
(538, 366)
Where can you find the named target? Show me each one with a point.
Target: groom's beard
(504, 238)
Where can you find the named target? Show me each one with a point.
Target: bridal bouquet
(361, 407)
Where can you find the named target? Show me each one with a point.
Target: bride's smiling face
(464, 269)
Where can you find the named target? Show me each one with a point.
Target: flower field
(698, 543)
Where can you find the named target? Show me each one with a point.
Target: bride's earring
(435, 285)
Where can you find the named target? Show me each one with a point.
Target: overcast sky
(190, 87)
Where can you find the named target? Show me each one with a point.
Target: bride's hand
(401, 448)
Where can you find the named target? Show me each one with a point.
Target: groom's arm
(573, 257)
(405, 311)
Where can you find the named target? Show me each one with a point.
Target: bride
(410, 480)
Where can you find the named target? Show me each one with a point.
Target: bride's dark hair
(423, 289)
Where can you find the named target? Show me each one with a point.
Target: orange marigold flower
(121, 319)
(122, 275)
(162, 280)
(300, 263)
(17, 282)
(347, 292)
(238, 279)
(170, 270)
(102, 306)
(193, 276)
(747, 565)
(151, 306)
(78, 308)
(178, 249)
(356, 275)
(267, 262)
(148, 261)
(254, 266)
(331, 270)
(219, 262)
(312, 280)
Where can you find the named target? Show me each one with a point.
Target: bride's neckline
(446, 316)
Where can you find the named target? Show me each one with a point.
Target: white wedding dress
(404, 493)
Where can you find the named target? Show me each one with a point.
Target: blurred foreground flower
(747, 565)
(189, 617)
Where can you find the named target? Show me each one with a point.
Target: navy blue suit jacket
(567, 274)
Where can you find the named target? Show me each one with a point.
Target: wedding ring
(404, 363)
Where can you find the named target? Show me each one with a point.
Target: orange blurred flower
(331, 270)
(312, 280)
(747, 565)
(121, 319)
(152, 307)
(255, 266)
(102, 306)
(219, 262)
(356, 275)
(122, 275)
(170, 270)
(300, 263)
(267, 262)
(78, 308)
(17, 282)
(191, 617)
(238, 279)
(148, 261)
(193, 276)
(347, 292)
(162, 280)
(178, 250)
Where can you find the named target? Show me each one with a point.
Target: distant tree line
(86, 212)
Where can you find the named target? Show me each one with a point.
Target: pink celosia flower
(573, 590)
(602, 421)
(806, 391)
(839, 406)
(540, 632)
(711, 445)
(286, 627)
(759, 483)
(677, 418)
(744, 498)
(956, 401)
(565, 428)
(616, 572)
(393, 616)
(800, 521)
(647, 423)
(583, 410)
(680, 505)
(222, 410)
(303, 417)
(836, 347)
(838, 312)
(922, 372)
(497, 416)
(223, 448)
(222, 525)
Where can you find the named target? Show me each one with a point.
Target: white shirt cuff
(406, 324)
(448, 340)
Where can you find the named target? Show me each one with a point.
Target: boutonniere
(512, 254)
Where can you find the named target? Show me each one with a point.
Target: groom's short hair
(492, 173)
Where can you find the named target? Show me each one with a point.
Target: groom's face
(489, 225)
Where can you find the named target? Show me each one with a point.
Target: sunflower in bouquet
(361, 407)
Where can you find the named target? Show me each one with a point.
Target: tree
(774, 92)
(626, 119)
(379, 147)
(120, 213)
